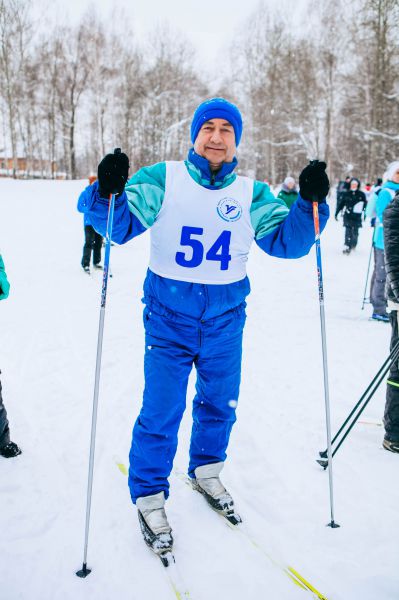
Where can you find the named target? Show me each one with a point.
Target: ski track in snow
(47, 356)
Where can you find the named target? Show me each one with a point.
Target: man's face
(290, 185)
(354, 185)
(216, 142)
(395, 177)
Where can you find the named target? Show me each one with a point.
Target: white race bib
(202, 235)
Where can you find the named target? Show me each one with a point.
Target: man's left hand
(313, 182)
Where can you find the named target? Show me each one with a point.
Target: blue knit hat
(216, 108)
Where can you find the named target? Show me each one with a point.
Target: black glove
(372, 222)
(113, 173)
(313, 182)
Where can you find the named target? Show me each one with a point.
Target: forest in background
(326, 86)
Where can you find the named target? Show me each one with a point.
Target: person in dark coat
(8, 449)
(353, 204)
(391, 244)
(93, 242)
(343, 186)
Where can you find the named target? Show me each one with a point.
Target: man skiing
(203, 220)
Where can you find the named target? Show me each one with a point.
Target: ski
(176, 582)
(289, 571)
(370, 422)
(167, 558)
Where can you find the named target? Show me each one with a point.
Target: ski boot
(383, 318)
(207, 483)
(154, 526)
(391, 446)
(10, 450)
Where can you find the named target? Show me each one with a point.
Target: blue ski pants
(173, 345)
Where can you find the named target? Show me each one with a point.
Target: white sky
(208, 24)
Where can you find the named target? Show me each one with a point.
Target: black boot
(10, 450)
(391, 446)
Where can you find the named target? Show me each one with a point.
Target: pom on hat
(217, 108)
(389, 173)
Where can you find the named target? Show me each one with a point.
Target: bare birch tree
(14, 39)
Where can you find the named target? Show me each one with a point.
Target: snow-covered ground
(47, 355)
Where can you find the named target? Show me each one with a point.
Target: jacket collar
(391, 185)
(210, 179)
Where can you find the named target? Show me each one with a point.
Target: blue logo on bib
(229, 209)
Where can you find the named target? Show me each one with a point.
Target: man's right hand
(113, 172)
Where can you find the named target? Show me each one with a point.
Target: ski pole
(325, 463)
(368, 271)
(389, 360)
(315, 203)
(84, 571)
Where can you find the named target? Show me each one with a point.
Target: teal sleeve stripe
(145, 193)
(267, 212)
(2, 267)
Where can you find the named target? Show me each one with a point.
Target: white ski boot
(154, 525)
(208, 483)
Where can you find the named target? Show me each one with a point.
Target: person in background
(8, 449)
(370, 210)
(353, 204)
(391, 245)
(288, 192)
(343, 186)
(375, 211)
(368, 191)
(93, 242)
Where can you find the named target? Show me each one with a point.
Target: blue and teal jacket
(4, 284)
(278, 232)
(376, 207)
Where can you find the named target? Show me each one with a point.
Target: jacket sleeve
(371, 205)
(382, 201)
(135, 209)
(364, 199)
(4, 284)
(341, 201)
(292, 232)
(391, 244)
